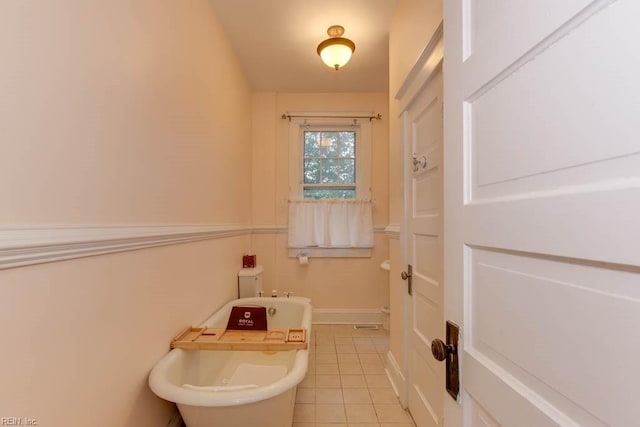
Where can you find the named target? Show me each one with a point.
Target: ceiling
(276, 42)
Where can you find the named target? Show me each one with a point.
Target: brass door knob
(440, 350)
(406, 275)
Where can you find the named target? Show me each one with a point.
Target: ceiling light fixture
(336, 51)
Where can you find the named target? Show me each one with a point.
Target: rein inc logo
(18, 421)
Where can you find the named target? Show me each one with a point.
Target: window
(329, 163)
(330, 211)
(330, 158)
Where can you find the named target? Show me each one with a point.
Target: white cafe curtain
(330, 224)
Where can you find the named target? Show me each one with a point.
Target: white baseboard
(348, 316)
(397, 379)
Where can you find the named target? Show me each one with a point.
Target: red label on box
(248, 319)
(248, 261)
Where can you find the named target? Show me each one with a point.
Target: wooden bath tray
(223, 339)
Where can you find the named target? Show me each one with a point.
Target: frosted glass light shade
(336, 51)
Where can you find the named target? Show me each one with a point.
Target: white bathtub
(198, 381)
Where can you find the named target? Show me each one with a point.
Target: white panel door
(542, 210)
(424, 248)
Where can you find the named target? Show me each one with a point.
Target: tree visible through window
(329, 168)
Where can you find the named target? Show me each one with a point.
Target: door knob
(440, 350)
(405, 275)
(449, 352)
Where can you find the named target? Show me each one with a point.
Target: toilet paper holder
(303, 258)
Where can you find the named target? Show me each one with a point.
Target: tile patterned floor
(346, 385)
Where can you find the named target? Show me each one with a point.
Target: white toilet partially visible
(249, 282)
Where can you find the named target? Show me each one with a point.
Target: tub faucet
(288, 294)
(259, 293)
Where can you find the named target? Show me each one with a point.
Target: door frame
(428, 63)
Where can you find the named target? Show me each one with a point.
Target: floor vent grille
(369, 327)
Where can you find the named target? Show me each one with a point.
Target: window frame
(339, 121)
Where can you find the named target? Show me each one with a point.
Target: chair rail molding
(37, 245)
(392, 231)
(21, 246)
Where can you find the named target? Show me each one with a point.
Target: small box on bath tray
(247, 319)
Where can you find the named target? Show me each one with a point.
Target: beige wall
(114, 113)
(141, 103)
(329, 282)
(412, 27)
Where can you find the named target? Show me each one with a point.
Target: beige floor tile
(329, 395)
(325, 348)
(348, 358)
(308, 381)
(338, 357)
(346, 349)
(362, 340)
(381, 343)
(377, 381)
(304, 413)
(328, 381)
(373, 368)
(391, 413)
(382, 348)
(371, 332)
(330, 414)
(356, 395)
(369, 358)
(383, 395)
(343, 340)
(342, 330)
(324, 339)
(366, 348)
(327, 369)
(325, 358)
(353, 381)
(361, 414)
(383, 339)
(350, 368)
(306, 395)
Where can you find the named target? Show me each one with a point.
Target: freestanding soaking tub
(219, 388)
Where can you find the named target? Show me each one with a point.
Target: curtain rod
(289, 116)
